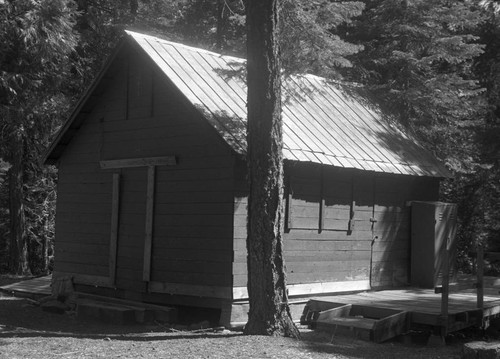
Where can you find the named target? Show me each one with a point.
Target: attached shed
(152, 192)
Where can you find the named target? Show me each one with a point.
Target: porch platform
(422, 305)
(32, 288)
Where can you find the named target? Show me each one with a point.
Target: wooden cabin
(152, 192)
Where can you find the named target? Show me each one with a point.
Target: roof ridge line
(178, 44)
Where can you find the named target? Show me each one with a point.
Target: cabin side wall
(140, 116)
(346, 230)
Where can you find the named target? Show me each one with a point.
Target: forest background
(432, 65)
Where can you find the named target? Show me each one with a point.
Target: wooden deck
(33, 288)
(423, 306)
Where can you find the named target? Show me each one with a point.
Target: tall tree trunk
(18, 244)
(221, 25)
(269, 311)
(45, 248)
(134, 6)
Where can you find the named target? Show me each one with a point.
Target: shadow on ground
(21, 317)
(23, 322)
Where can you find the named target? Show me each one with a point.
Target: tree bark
(269, 312)
(221, 25)
(18, 263)
(134, 6)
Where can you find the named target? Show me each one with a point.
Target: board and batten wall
(345, 230)
(190, 216)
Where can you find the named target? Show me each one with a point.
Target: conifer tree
(308, 36)
(422, 60)
(36, 40)
(418, 61)
(269, 312)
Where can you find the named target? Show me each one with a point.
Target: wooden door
(131, 229)
(133, 199)
(361, 222)
(391, 232)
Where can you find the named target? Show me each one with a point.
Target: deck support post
(445, 269)
(445, 283)
(480, 274)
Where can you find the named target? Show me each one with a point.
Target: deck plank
(36, 286)
(424, 304)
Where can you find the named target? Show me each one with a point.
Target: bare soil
(26, 331)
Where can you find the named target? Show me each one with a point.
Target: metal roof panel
(321, 122)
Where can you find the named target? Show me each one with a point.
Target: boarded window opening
(304, 198)
(320, 199)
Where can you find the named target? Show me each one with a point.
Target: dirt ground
(26, 331)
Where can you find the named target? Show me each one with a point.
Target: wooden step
(314, 307)
(375, 324)
(144, 312)
(352, 322)
(109, 313)
(359, 328)
(122, 311)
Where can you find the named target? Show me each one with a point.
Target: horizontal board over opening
(139, 162)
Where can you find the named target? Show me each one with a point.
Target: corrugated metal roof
(321, 123)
